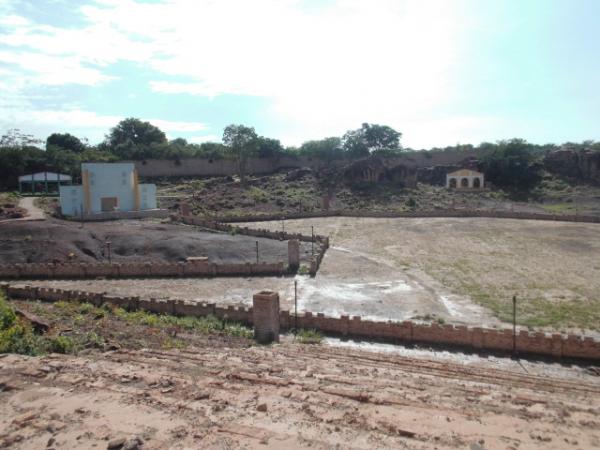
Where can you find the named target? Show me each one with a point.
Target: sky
(441, 72)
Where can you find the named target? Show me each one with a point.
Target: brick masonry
(129, 270)
(534, 343)
(321, 242)
(265, 316)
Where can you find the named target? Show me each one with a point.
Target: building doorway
(109, 204)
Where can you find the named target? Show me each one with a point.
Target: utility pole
(312, 229)
(514, 299)
(295, 307)
(108, 250)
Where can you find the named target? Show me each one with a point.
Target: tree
(65, 141)
(513, 165)
(131, 137)
(16, 138)
(370, 138)
(327, 149)
(241, 142)
(267, 147)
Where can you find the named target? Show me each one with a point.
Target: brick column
(294, 253)
(265, 314)
(184, 209)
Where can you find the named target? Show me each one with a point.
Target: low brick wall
(135, 270)
(400, 214)
(554, 345)
(321, 242)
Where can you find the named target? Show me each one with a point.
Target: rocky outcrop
(582, 165)
(379, 170)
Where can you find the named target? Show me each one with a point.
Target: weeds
(309, 336)
(17, 336)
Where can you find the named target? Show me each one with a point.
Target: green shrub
(19, 338)
(303, 270)
(258, 195)
(7, 315)
(60, 344)
(309, 337)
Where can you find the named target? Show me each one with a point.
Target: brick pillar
(294, 253)
(265, 314)
(184, 209)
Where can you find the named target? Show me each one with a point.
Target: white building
(107, 187)
(465, 179)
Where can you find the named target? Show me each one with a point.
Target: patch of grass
(258, 195)
(303, 270)
(204, 325)
(173, 343)
(559, 208)
(309, 336)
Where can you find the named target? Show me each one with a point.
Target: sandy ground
(291, 396)
(413, 268)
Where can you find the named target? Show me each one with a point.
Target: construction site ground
(221, 395)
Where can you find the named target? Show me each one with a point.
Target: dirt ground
(290, 396)
(131, 240)
(462, 271)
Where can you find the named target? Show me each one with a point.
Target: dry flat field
(552, 267)
(462, 271)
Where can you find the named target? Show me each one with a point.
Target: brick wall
(400, 214)
(129, 270)
(534, 343)
(321, 242)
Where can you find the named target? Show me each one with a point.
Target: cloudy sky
(439, 71)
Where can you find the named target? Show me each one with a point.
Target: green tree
(65, 141)
(267, 147)
(131, 137)
(512, 164)
(327, 149)
(370, 138)
(241, 142)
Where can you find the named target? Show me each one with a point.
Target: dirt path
(33, 212)
(289, 396)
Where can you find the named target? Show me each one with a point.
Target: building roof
(44, 176)
(465, 173)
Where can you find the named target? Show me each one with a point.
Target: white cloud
(324, 69)
(88, 123)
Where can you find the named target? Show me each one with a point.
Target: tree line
(508, 162)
